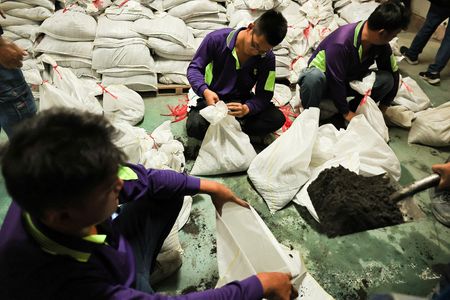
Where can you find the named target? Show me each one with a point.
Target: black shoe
(431, 78)
(409, 59)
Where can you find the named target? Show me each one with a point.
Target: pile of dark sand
(347, 203)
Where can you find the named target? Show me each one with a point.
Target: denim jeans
(435, 16)
(16, 100)
(313, 88)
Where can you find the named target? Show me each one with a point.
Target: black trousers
(269, 120)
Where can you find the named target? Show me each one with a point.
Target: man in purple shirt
(228, 64)
(346, 55)
(58, 240)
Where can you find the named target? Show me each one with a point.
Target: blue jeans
(313, 88)
(16, 100)
(435, 16)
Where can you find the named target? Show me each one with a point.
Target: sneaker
(166, 264)
(431, 78)
(409, 59)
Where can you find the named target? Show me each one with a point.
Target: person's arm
(11, 55)
(265, 85)
(198, 72)
(336, 62)
(386, 61)
(444, 171)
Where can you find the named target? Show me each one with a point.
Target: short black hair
(272, 25)
(391, 16)
(57, 157)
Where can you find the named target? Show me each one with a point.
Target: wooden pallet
(172, 89)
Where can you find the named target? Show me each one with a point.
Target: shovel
(415, 187)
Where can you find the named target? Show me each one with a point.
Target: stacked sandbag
(92, 8)
(172, 42)
(357, 10)
(121, 54)
(69, 36)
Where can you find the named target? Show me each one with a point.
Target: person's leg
(313, 84)
(17, 109)
(196, 125)
(384, 83)
(435, 16)
(443, 54)
(146, 225)
(267, 121)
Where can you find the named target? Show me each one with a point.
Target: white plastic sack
(281, 95)
(171, 50)
(25, 31)
(15, 21)
(133, 141)
(54, 46)
(169, 78)
(130, 11)
(185, 211)
(68, 61)
(245, 246)
(70, 25)
(49, 4)
(432, 127)
(139, 83)
(35, 13)
(195, 8)
(8, 5)
(282, 168)
(163, 65)
(368, 107)
(122, 103)
(108, 28)
(400, 116)
(225, 148)
(51, 96)
(410, 95)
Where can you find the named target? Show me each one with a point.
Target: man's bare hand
(237, 109)
(444, 171)
(210, 97)
(277, 286)
(349, 116)
(11, 55)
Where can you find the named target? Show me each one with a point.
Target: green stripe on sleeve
(270, 82)
(319, 61)
(126, 173)
(209, 73)
(394, 65)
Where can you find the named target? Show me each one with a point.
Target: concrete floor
(397, 259)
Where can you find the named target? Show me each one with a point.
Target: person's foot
(409, 59)
(166, 264)
(431, 78)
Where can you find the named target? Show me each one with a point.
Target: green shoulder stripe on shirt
(270, 82)
(357, 30)
(230, 37)
(209, 73)
(126, 173)
(319, 61)
(51, 246)
(96, 238)
(394, 65)
(234, 53)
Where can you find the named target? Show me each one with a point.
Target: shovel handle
(415, 187)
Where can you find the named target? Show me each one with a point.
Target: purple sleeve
(262, 98)
(196, 69)
(155, 184)
(384, 63)
(247, 289)
(336, 70)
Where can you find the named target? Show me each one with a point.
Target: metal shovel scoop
(415, 187)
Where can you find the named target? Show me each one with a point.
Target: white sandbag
(130, 11)
(324, 145)
(70, 25)
(124, 72)
(185, 211)
(65, 80)
(225, 148)
(368, 107)
(356, 11)
(219, 18)
(376, 157)
(163, 65)
(400, 116)
(133, 141)
(49, 4)
(260, 4)
(245, 246)
(195, 8)
(282, 168)
(168, 4)
(172, 242)
(25, 31)
(53, 46)
(281, 95)
(432, 127)
(25, 44)
(9, 5)
(349, 161)
(171, 50)
(139, 83)
(11, 35)
(108, 28)
(120, 102)
(318, 11)
(298, 64)
(68, 61)
(35, 13)
(15, 21)
(51, 96)
(86, 72)
(164, 26)
(134, 54)
(169, 78)
(410, 95)
(241, 17)
(205, 25)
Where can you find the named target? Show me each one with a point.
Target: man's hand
(11, 55)
(444, 171)
(237, 109)
(220, 194)
(211, 97)
(277, 286)
(349, 116)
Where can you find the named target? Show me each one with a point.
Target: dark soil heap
(347, 203)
